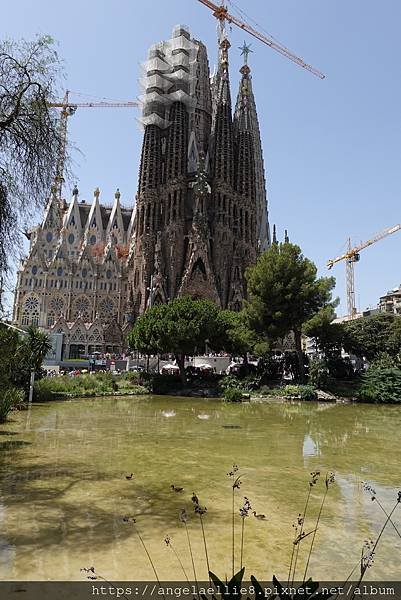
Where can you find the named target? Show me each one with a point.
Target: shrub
(290, 390)
(9, 398)
(229, 381)
(319, 374)
(233, 395)
(304, 392)
(381, 385)
(307, 392)
(250, 383)
(384, 361)
(163, 384)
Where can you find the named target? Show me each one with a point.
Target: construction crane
(221, 13)
(67, 110)
(351, 256)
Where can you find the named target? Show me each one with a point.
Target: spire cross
(245, 51)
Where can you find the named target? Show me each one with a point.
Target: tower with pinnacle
(201, 211)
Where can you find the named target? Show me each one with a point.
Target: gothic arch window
(30, 311)
(78, 335)
(56, 305)
(96, 336)
(81, 308)
(106, 308)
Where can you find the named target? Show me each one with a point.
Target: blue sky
(331, 147)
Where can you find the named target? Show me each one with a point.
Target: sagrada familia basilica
(200, 217)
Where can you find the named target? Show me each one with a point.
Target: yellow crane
(351, 256)
(220, 12)
(67, 110)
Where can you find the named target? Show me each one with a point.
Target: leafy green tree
(9, 341)
(20, 354)
(29, 356)
(284, 293)
(328, 336)
(30, 136)
(369, 337)
(238, 339)
(181, 327)
(146, 334)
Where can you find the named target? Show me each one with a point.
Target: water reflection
(64, 492)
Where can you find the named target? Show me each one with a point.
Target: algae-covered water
(64, 492)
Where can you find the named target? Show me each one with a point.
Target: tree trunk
(300, 354)
(180, 358)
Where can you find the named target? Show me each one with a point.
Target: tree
(328, 336)
(20, 354)
(29, 356)
(146, 334)
(238, 338)
(30, 136)
(9, 341)
(369, 337)
(181, 327)
(284, 293)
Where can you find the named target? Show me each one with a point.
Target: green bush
(384, 361)
(233, 395)
(304, 392)
(319, 374)
(381, 385)
(9, 399)
(290, 390)
(250, 383)
(307, 392)
(228, 381)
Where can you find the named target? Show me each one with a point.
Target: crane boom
(221, 13)
(61, 104)
(68, 109)
(351, 257)
(351, 252)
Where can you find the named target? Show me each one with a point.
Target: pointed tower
(224, 211)
(246, 119)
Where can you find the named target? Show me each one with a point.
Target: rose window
(57, 305)
(82, 305)
(31, 303)
(106, 306)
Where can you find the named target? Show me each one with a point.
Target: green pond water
(64, 492)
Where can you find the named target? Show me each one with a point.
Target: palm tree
(38, 345)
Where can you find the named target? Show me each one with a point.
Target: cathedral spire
(222, 127)
(244, 136)
(246, 120)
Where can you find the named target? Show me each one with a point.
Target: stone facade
(199, 221)
(74, 280)
(201, 211)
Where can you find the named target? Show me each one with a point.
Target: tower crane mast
(67, 110)
(221, 13)
(351, 256)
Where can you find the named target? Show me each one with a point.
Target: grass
(98, 384)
